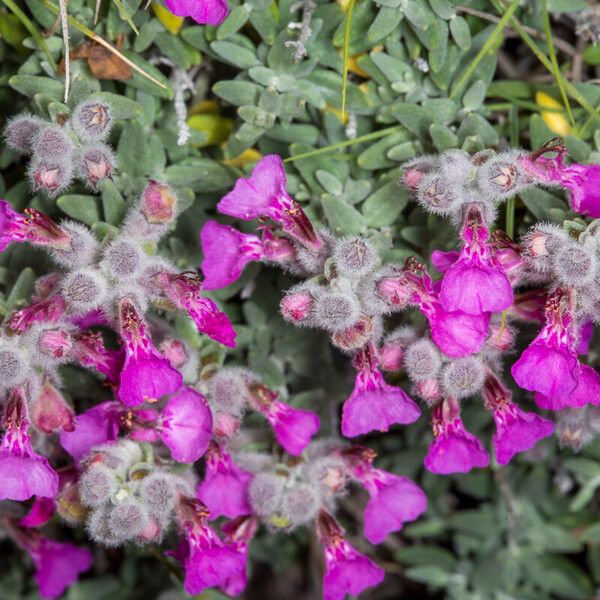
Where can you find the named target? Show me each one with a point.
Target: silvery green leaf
(341, 217)
(81, 207)
(461, 34)
(382, 208)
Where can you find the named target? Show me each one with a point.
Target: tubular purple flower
(582, 181)
(238, 533)
(454, 449)
(49, 310)
(186, 425)
(587, 391)
(374, 405)
(184, 291)
(549, 364)
(263, 194)
(147, 375)
(475, 283)
(394, 500)
(225, 486)
(516, 430)
(347, 571)
(88, 350)
(23, 472)
(205, 12)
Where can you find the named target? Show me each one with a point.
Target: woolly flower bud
(52, 143)
(429, 391)
(83, 290)
(574, 265)
(95, 163)
(158, 491)
(456, 166)
(228, 390)
(328, 473)
(358, 335)
(20, 131)
(502, 177)
(354, 256)
(463, 377)
(91, 120)
(97, 485)
(13, 365)
(313, 262)
(49, 175)
(300, 504)
(158, 202)
(541, 243)
(127, 520)
(335, 310)
(573, 427)
(436, 195)
(123, 258)
(84, 247)
(99, 529)
(422, 360)
(414, 170)
(265, 493)
(296, 306)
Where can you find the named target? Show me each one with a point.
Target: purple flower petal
(205, 12)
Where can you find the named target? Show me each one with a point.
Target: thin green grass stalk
(126, 15)
(346, 57)
(514, 142)
(35, 34)
(521, 103)
(363, 138)
(554, 61)
(487, 47)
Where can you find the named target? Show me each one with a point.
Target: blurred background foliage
(422, 76)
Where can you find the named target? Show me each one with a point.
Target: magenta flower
(454, 449)
(549, 364)
(208, 562)
(226, 252)
(374, 405)
(516, 430)
(32, 226)
(184, 291)
(475, 283)
(88, 350)
(347, 571)
(238, 534)
(23, 472)
(293, 427)
(40, 512)
(263, 194)
(587, 391)
(147, 374)
(582, 181)
(97, 425)
(225, 486)
(394, 500)
(442, 261)
(57, 564)
(49, 310)
(205, 12)
(51, 411)
(186, 425)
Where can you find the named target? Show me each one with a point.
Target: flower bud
(394, 291)
(123, 258)
(69, 506)
(502, 177)
(456, 166)
(158, 203)
(229, 391)
(354, 256)
(13, 365)
(436, 195)
(20, 132)
(97, 485)
(96, 162)
(422, 360)
(83, 290)
(175, 351)
(49, 175)
(354, 337)
(429, 391)
(55, 342)
(463, 377)
(416, 169)
(574, 265)
(265, 493)
(300, 504)
(51, 412)
(84, 247)
(127, 520)
(313, 261)
(296, 307)
(92, 120)
(541, 243)
(158, 491)
(335, 311)
(52, 144)
(391, 356)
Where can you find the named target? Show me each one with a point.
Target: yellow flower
(171, 23)
(247, 156)
(556, 121)
(215, 127)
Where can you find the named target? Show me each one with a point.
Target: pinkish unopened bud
(502, 337)
(51, 412)
(354, 337)
(296, 307)
(158, 202)
(49, 176)
(92, 120)
(175, 351)
(412, 178)
(52, 143)
(97, 162)
(225, 424)
(20, 131)
(391, 356)
(55, 342)
(429, 390)
(416, 169)
(394, 291)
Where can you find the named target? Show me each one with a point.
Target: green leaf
(30, 85)
(381, 209)
(460, 32)
(442, 137)
(432, 575)
(132, 151)
(202, 175)
(386, 21)
(540, 203)
(235, 54)
(121, 106)
(21, 290)
(342, 218)
(80, 207)
(238, 93)
(113, 204)
(235, 20)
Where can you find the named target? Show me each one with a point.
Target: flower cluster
(75, 148)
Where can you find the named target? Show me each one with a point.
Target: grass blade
(346, 56)
(123, 12)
